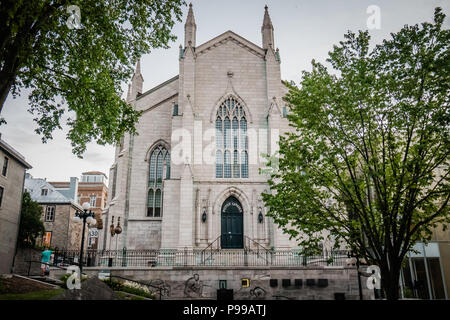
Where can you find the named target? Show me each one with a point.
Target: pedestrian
(45, 260)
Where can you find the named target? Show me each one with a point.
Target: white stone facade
(227, 65)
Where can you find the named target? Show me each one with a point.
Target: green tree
(77, 72)
(31, 226)
(367, 162)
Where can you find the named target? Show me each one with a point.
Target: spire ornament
(190, 29)
(137, 82)
(267, 30)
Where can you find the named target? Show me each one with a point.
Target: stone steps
(47, 280)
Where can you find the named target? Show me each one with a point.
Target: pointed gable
(233, 37)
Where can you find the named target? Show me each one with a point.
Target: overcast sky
(304, 30)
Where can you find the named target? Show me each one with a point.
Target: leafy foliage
(77, 73)
(367, 162)
(31, 226)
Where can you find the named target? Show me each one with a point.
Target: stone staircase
(48, 280)
(253, 254)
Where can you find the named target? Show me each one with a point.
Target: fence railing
(189, 257)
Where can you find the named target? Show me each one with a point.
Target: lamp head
(260, 217)
(86, 206)
(204, 216)
(118, 229)
(92, 221)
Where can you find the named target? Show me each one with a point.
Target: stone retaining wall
(264, 283)
(21, 265)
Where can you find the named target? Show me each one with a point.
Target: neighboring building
(227, 85)
(12, 175)
(426, 274)
(57, 214)
(93, 189)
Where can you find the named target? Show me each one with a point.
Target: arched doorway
(232, 235)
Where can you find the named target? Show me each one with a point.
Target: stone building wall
(66, 234)
(264, 283)
(227, 65)
(10, 207)
(22, 265)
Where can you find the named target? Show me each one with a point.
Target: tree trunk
(5, 87)
(390, 282)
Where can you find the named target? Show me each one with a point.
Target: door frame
(227, 201)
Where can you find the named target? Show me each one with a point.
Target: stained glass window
(231, 140)
(158, 158)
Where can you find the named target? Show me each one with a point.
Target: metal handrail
(253, 253)
(202, 253)
(258, 246)
(46, 263)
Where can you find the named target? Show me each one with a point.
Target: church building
(191, 177)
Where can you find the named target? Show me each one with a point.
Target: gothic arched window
(159, 157)
(231, 140)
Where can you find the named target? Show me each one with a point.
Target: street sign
(93, 233)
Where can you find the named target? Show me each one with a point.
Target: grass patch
(36, 295)
(2, 286)
(125, 296)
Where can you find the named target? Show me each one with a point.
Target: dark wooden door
(232, 224)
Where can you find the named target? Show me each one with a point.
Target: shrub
(130, 287)
(114, 284)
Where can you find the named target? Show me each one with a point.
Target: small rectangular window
(310, 282)
(322, 283)
(222, 284)
(47, 239)
(273, 283)
(44, 192)
(1, 195)
(93, 200)
(122, 143)
(285, 282)
(113, 191)
(50, 214)
(5, 167)
(175, 110)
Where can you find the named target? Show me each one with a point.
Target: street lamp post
(84, 216)
(359, 278)
(114, 231)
